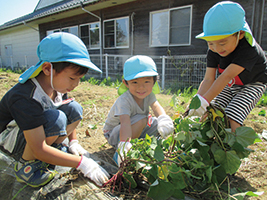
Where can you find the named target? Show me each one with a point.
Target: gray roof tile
(52, 9)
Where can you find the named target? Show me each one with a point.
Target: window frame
(99, 37)
(69, 27)
(115, 33)
(169, 18)
(60, 30)
(52, 31)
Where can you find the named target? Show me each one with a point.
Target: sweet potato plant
(198, 157)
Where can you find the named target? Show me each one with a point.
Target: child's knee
(56, 123)
(143, 122)
(73, 110)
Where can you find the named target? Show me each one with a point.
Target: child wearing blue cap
(129, 116)
(36, 117)
(240, 61)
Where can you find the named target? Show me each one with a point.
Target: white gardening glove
(165, 125)
(92, 170)
(202, 109)
(77, 149)
(123, 148)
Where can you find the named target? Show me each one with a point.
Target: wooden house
(120, 28)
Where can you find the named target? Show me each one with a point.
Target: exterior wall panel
(24, 42)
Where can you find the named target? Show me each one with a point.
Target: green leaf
(158, 154)
(209, 174)
(192, 136)
(248, 193)
(178, 194)
(254, 194)
(243, 154)
(219, 175)
(173, 101)
(91, 126)
(204, 153)
(201, 143)
(188, 173)
(167, 143)
(163, 172)
(153, 171)
(148, 140)
(177, 177)
(180, 136)
(230, 139)
(214, 147)
(210, 133)
(262, 113)
(134, 153)
(245, 136)
(184, 126)
(129, 180)
(160, 190)
(228, 160)
(139, 165)
(154, 143)
(238, 147)
(195, 103)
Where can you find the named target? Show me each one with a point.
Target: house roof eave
(69, 9)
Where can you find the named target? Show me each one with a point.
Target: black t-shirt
(251, 58)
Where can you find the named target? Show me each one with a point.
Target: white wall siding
(22, 44)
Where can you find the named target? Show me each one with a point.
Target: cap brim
(248, 35)
(84, 63)
(123, 88)
(141, 74)
(212, 37)
(33, 71)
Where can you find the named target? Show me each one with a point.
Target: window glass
(94, 35)
(159, 29)
(72, 30)
(85, 34)
(109, 34)
(66, 30)
(171, 27)
(122, 32)
(116, 33)
(52, 31)
(180, 26)
(90, 35)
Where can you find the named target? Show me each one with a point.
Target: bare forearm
(204, 86)
(125, 132)
(73, 135)
(216, 88)
(54, 156)
(157, 109)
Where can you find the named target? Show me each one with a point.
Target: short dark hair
(59, 66)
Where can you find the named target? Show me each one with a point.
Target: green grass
(263, 100)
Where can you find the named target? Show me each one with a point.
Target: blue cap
(224, 19)
(139, 66)
(59, 47)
